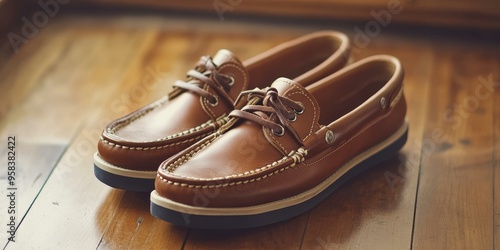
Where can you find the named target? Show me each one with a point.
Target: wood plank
(34, 162)
(184, 58)
(16, 84)
(495, 78)
(133, 227)
(74, 201)
(81, 226)
(82, 71)
(454, 205)
(51, 111)
(375, 209)
(12, 13)
(107, 216)
(284, 235)
(37, 152)
(46, 114)
(69, 78)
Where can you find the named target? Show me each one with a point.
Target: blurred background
(445, 13)
(68, 67)
(363, 20)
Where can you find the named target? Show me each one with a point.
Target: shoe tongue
(292, 89)
(296, 92)
(224, 56)
(228, 64)
(284, 85)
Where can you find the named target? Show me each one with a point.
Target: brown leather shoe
(132, 147)
(287, 150)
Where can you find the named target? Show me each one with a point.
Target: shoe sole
(264, 214)
(117, 177)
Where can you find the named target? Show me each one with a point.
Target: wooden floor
(81, 71)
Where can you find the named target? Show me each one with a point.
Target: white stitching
(187, 156)
(350, 139)
(152, 148)
(242, 73)
(138, 115)
(215, 124)
(275, 139)
(204, 102)
(314, 111)
(296, 156)
(300, 159)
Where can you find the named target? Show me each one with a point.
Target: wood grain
(495, 77)
(67, 85)
(362, 214)
(133, 227)
(454, 203)
(48, 115)
(283, 235)
(34, 163)
(83, 70)
(187, 50)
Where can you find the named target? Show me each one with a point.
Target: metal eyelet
(329, 137)
(231, 83)
(299, 112)
(383, 103)
(294, 118)
(281, 133)
(213, 104)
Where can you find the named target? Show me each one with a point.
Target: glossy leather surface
(247, 164)
(143, 139)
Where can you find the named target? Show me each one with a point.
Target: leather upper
(249, 161)
(199, 105)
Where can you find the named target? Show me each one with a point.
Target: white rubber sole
(122, 178)
(169, 210)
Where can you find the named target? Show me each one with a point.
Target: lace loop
(206, 72)
(271, 104)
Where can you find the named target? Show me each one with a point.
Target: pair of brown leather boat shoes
(245, 144)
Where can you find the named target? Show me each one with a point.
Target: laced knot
(206, 72)
(269, 105)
